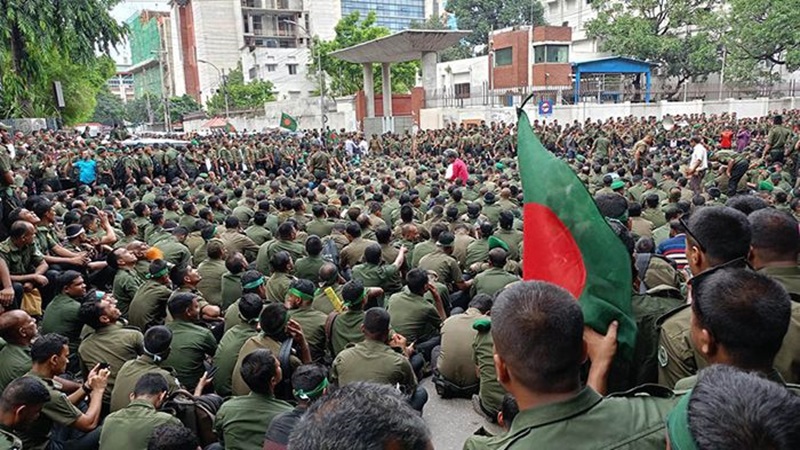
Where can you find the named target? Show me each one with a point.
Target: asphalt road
(451, 421)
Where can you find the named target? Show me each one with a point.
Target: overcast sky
(125, 11)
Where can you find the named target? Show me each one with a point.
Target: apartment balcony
(258, 6)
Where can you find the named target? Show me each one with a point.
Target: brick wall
(552, 34)
(515, 74)
(559, 75)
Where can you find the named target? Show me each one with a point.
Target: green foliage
(42, 41)
(762, 36)
(483, 16)
(138, 111)
(109, 109)
(435, 22)
(179, 106)
(344, 78)
(240, 95)
(680, 35)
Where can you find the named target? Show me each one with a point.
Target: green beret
(617, 184)
(203, 175)
(500, 166)
(765, 186)
(483, 324)
(496, 242)
(423, 168)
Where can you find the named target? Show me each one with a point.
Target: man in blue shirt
(88, 169)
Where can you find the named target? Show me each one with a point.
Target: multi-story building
(574, 14)
(395, 15)
(121, 84)
(150, 40)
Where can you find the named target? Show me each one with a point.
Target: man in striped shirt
(674, 248)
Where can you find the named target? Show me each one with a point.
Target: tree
(461, 50)
(680, 35)
(42, 41)
(180, 106)
(109, 109)
(240, 95)
(761, 36)
(483, 16)
(145, 109)
(346, 78)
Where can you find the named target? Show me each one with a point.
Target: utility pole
(223, 80)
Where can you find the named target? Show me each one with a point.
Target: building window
(550, 54)
(503, 56)
(253, 72)
(292, 69)
(271, 67)
(461, 90)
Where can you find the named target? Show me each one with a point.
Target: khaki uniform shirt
(258, 234)
(346, 330)
(589, 421)
(386, 276)
(61, 316)
(191, 344)
(241, 422)
(319, 227)
(308, 267)
(277, 286)
(227, 354)
(513, 239)
(20, 261)
(59, 410)
(455, 361)
(787, 361)
(149, 305)
(491, 392)
(353, 253)
(492, 281)
(445, 267)
(313, 324)
(477, 252)
(114, 344)
(16, 361)
(269, 248)
(8, 440)
(412, 316)
(230, 289)
(131, 427)
(174, 252)
(237, 242)
(321, 301)
(126, 284)
(129, 375)
(373, 362)
(210, 286)
(252, 344)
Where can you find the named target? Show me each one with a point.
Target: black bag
(196, 413)
(283, 390)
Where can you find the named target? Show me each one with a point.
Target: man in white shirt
(698, 164)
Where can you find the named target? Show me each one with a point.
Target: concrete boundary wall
(433, 118)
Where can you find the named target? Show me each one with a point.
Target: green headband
(680, 436)
(358, 300)
(312, 394)
(158, 274)
(254, 284)
(301, 294)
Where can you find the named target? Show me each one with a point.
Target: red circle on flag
(287, 122)
(551, 253)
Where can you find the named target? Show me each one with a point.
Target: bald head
(17, 327)
(328, 273)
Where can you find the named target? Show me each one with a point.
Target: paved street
(451, 421)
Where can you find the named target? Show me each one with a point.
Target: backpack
(330, 252)
(196, 413)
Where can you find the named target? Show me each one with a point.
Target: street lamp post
(320, 75)
(223, 82)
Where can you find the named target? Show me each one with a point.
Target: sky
(123, 12)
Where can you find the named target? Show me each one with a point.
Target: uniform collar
(142, 404)
(550, 413)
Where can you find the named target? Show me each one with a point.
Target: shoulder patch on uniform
(663, 358)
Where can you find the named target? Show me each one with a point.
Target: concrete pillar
(369, 89)
(429, 72)
(386, 79)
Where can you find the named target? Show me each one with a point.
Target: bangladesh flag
(288, 122)
(569, 243)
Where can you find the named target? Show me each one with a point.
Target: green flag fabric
(568, 242)
(288, 122)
